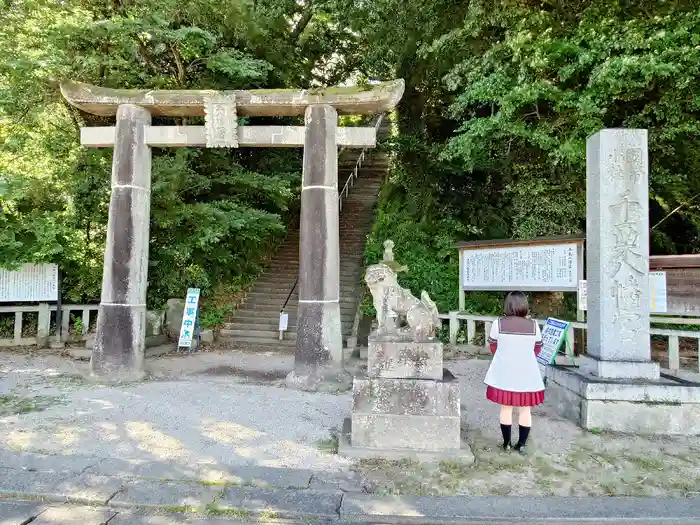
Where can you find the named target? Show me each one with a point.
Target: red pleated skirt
(514, 399)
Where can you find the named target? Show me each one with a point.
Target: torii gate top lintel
(348, 100)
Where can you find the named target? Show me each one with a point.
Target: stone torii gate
(118, 354)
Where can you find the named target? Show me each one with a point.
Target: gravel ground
(196, 419)
(230, 408)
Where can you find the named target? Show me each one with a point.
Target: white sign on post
(284, 321)
(551, 267)
(658, 296)
(582, 295)
(189, 318)
(31, 283)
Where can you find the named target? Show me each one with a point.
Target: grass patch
(645, 463)
(455, 469)
(218, 483)
(12, 405)
(181, 509)
(229, 512)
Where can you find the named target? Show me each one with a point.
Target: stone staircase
(256, 322)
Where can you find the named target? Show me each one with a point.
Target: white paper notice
(31, 283)
(582, 295)
(657, 292)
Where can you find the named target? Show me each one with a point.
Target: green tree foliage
(501, 96)
(214, 214)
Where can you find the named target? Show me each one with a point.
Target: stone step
(289, 337)
(272, 317)
(276, 283)
(266, 342)
(253, 334)
(272, 303)
(267, 337)
(270, 331)
(268, 306)
(290, 267)
(286, 277)
(346, 293)
(348, 287)
(345, 261)
(268, 298)
(244, 326)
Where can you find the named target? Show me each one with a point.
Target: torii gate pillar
(318, 360)
(120, 340)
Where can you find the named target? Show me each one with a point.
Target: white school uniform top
(514, 366)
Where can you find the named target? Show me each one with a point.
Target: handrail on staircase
(344, 192)
(360, 159)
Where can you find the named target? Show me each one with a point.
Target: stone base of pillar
(319, 337)
(318, 362)
(118, 354)
(667, 406)
(645, 370)
(329, 378)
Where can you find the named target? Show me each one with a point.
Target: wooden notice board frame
(495, 245)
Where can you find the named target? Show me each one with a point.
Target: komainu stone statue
(407, 405)
(397, 306)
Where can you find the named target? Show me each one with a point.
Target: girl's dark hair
(516, 305)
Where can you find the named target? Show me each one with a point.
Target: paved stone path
(44, 489)
(371, 510)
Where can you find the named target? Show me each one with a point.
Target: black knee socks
(506, 431)
(522, 437)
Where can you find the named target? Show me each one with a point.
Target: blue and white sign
(553, 335)
(189, 318)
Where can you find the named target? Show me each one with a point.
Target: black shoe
(507, 447)
(522, 450)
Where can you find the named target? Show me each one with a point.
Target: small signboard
(582, 295)
(554, 334)
(31, 283)
(284, 321)
(658, 296)
(657, 292)
(189, 318)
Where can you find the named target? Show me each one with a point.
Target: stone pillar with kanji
(617, 251)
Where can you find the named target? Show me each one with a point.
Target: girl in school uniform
(514, 378)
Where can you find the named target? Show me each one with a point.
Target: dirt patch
(250, 374)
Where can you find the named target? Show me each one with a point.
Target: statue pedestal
(407, 406)
(395, 357)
